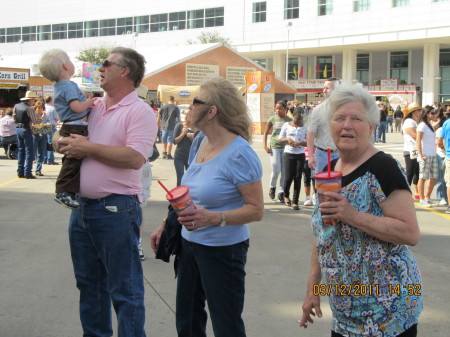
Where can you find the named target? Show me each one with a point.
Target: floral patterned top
(374, 287)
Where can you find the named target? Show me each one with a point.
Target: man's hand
(75, 146)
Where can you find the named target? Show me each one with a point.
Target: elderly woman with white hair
(362, 262)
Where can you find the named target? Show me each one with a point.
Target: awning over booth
(182, 94)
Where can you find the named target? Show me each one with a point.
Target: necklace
(206, 153)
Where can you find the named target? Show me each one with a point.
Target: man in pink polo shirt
(104, 232)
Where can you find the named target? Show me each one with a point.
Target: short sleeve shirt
(277, 124)
(214, 186)
(183, 147)
(318, 124)
(297, 134)
(349, 256)
(129, 123)
(428, 140)
(169, 114)
(446, 136)
(66, 92)
(409, 143)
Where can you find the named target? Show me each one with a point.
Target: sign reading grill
(14, 75)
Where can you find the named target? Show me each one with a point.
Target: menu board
(197, 73)
(236, 75)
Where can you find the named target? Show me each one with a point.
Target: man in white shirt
(318, 137)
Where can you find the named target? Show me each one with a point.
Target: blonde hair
(232, 112)
(38, 104)
(51, 63)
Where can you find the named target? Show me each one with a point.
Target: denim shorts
(167, 136)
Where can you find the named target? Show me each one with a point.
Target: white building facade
(396, 46)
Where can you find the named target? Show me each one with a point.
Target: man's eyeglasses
(197, 101)
(107, 63)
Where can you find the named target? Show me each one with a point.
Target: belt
(19, 125)
(324, 150)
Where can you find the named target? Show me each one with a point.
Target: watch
(222, 222)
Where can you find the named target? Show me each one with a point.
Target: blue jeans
(103, 236)
(50, 155)
(322, 160)
(26, 152)
(441, 188)
(277, 161)
(390, 123)
(381, 134)
(40, 147)
(217, 275)
(181, 164)
(9, 142)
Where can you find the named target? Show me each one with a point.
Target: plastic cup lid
(178, 192)
(324, 175)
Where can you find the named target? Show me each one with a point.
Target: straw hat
(29, 95)
(413, 107)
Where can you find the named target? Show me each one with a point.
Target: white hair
(51, 64)
(346, 93)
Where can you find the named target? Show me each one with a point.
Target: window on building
(325, 7)
(399, 65)
(44, 32)
(214, 17)
(177, 20)
(324, 67)
(158, 22)
(29, 33)
(361, 5)
(259, 11)
(261, 62)
(75, 30)
(124, 26)
(362, 68)
(293, 68)
(59, 31)
(196, 19)
(444, 73)
(400, 3)
(142, 24)
(13, 34)
(108, 27)
(291, 9)
(2, 35)
(91, 28)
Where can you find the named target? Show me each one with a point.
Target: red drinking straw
(165, 189)
(329, 162)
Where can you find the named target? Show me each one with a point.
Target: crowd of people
(361, 232)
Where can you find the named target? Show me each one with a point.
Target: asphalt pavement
(39, 297)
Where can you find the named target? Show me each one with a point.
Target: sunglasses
(107, 63)
(197, 101)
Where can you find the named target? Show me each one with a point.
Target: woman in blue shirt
(224, 180)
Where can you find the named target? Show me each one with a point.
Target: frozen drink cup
(327, 182)
(180, 199)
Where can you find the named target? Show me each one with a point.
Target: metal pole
(289, 25)
(287, 56)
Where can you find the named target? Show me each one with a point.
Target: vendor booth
(14, 82)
